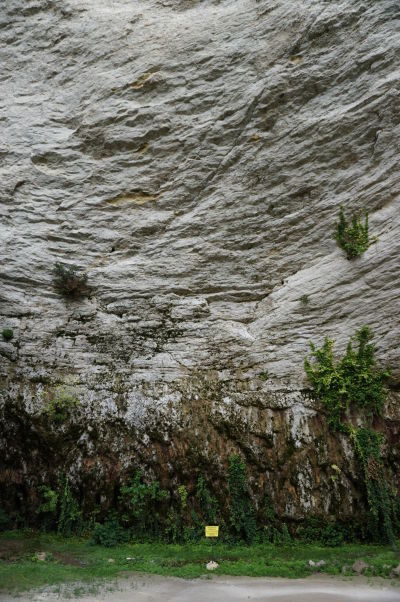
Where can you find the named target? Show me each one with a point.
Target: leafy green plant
(355, 379)
(50, 500)
(352, 238)
(143, 505)
(304, 299)
(182, 492)
(70, 517)
(47, 510)
(332, 535)
(7, 334)
(242, 517)
(60, 405)
(70, 281)
(367, 444)
(110, 533)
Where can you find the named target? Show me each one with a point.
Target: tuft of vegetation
(304, 299)
(352, 238)
(69, 281)
(142, 503)
(355, 379)
(61, 404)
(7, 334)
(242, 519)
(110, 533)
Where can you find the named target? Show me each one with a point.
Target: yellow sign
(212, 531)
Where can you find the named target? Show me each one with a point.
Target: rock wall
(192, 157)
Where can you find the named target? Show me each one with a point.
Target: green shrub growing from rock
(355, 379)
(70, 281)
(352, 238)
(60, 404)
(7, 334)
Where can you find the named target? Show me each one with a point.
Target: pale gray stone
(192, 158)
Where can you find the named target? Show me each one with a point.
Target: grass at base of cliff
(76, 560)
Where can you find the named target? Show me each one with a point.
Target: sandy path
(221, 589)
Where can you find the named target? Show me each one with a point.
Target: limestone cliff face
(192, 157)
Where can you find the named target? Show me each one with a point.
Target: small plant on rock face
(70, 281)
(355, 379)
(62, 403)
(7, 334)
(304, 299)
(353, 238)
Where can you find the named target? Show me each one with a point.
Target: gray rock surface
(192, 158)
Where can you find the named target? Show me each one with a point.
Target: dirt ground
(221, 589)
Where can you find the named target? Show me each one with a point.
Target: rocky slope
(192, 157)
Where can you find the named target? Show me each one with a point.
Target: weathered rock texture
(192, 156)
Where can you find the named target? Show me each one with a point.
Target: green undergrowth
(77, 560)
